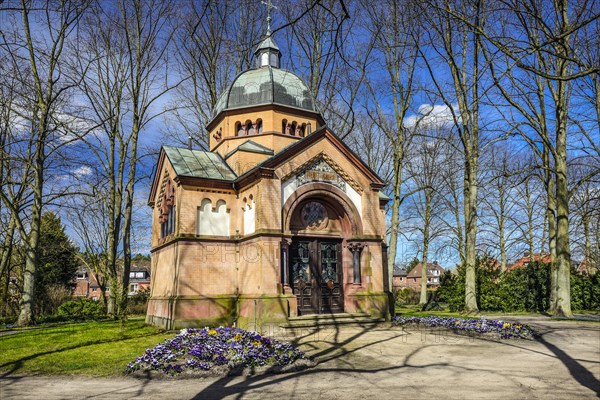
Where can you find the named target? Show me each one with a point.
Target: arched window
(167, 216)
(249, 128)
(303, 130)
(293, 128)
(204, 220)
(213, 222)
(239, 131)
(284, 127)
(249, 216)
(259, 128)
(220, 219)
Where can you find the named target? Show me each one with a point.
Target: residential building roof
(415, 272)
(526, 259)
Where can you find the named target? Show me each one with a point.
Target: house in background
(86, 285)
(139, 278)
(399, 277)
(526, 259)
(412, 278)
(580, 267)
(81, 287)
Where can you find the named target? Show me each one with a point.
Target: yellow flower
(457, 322)
(505, 325)
(213, 332)
(257, 343)
(237, 337)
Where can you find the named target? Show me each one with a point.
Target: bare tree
(215, 40)
(122, 57)
(458, 46)
(428, 155)
(585, 214)
(36, 40)
(329, 49)
(532, 196)
(500, 196)
(396, 33)
(371, 144)
(540, 39)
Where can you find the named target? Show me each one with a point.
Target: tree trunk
(502, 222)
(426, 225)
(563, 252)
(395, 221)
(26, 315)
(551, 217)
(470, 199)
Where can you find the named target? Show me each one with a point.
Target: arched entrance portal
(319, 220)
(317, 275)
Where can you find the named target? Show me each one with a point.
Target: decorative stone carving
(218, 135)
(322, 168)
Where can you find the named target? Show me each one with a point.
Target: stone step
(319, 320)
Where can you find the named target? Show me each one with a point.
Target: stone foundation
(245, 311)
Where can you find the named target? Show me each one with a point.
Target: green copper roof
(383, 196)
(251, 146)
(266, 85)
(267, 43)
(198, 164)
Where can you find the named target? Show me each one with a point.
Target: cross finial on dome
(269, 6)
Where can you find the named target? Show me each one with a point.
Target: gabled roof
(198, 167)
(251, 147)
(192, 165)
(198, 164)
(295, 148)
(415, 272)
(526, 259)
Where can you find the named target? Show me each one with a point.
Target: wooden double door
(317, 276)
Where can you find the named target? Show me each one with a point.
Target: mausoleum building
(279, 219)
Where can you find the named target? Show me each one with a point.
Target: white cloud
(82, 171)
(431, 116)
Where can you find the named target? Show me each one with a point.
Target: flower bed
(222, 349)
(505, 330)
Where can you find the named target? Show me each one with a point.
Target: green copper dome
(266, 84)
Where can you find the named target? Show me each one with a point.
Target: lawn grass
(91, 348)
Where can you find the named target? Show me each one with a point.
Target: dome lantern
(267, 53)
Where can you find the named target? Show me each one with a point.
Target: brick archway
(336, 198)
(318, 256)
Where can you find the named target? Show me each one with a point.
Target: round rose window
(314, 215)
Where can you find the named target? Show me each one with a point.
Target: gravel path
(379, 363)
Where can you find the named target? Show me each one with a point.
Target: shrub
(138, 303)
(81, 309)
(585, 292)
(452, 289)
(522, 289)
(405, 296)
